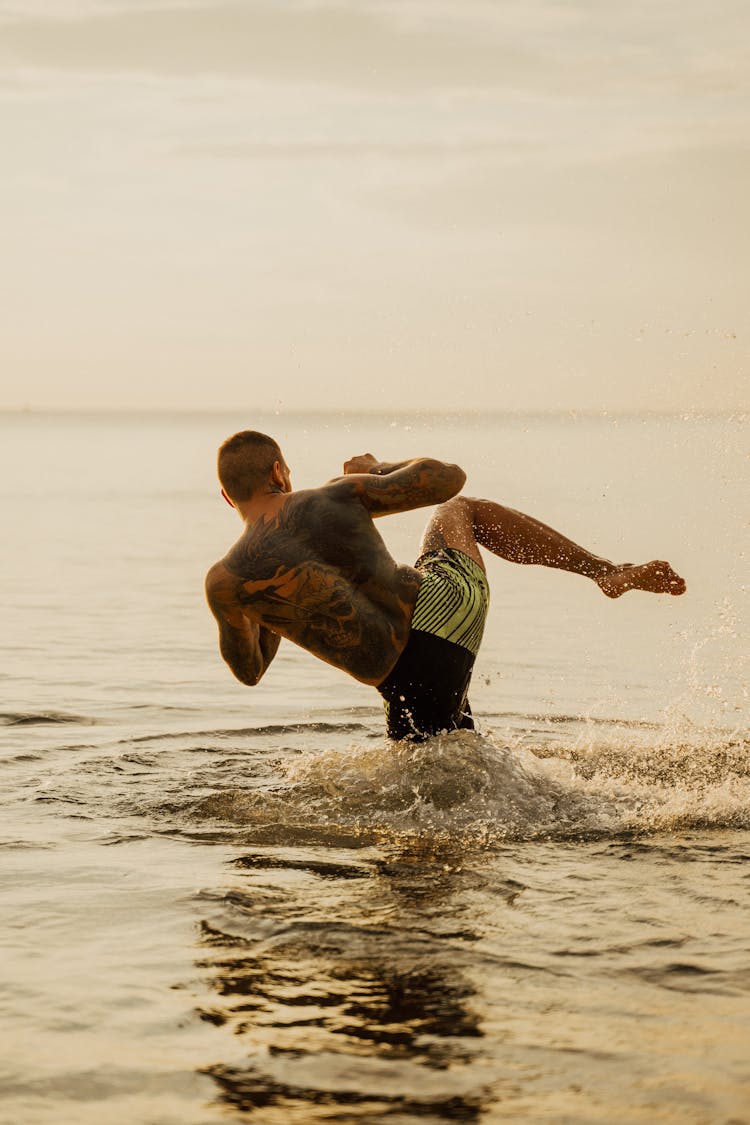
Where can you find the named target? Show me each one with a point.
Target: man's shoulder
(219, 582)
(307, 505)
(339, 489)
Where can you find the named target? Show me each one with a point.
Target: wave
(266, 731)
(30, 718)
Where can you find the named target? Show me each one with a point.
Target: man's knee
(458, 510)
(452, 525)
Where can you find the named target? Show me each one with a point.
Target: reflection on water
(346, 1010)
(351, 980)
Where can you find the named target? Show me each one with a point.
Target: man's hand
(370, 466)
(364, 463)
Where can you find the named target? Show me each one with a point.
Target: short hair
(245, 463)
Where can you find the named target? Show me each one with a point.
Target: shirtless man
(311, 566)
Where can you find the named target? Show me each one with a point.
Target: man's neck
(262, 504)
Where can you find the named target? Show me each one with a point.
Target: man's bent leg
(463, 523)
(452, 525)
(426, 691)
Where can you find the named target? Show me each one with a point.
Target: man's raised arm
(386, 487)
(248, 648)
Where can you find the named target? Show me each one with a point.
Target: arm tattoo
(416, 485)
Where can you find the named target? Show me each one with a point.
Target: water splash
(478, 787)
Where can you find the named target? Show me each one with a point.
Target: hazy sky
(495, 204)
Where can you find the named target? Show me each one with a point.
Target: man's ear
(277, 474)
(229, 502)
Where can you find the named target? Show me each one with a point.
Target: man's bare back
(310, 566)
(315, 570)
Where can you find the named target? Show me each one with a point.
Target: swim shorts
(426, 692)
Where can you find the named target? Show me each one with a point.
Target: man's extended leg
(464, 522)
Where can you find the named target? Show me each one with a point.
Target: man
(311, 566)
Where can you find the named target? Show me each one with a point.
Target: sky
(392, 205)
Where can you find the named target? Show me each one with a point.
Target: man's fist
(364, 463)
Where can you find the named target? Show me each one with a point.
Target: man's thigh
(452, 525)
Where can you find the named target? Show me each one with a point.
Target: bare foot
(656, 577)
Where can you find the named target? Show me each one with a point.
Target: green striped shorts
(453, 599)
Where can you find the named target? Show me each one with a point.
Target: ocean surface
(224, 904)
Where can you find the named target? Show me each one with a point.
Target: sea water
(228, 904)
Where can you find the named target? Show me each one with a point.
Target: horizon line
(739, 412)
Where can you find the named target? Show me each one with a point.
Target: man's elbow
(449, 480)
(459, 479)
(246, 676)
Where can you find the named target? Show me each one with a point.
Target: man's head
(250, 462)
